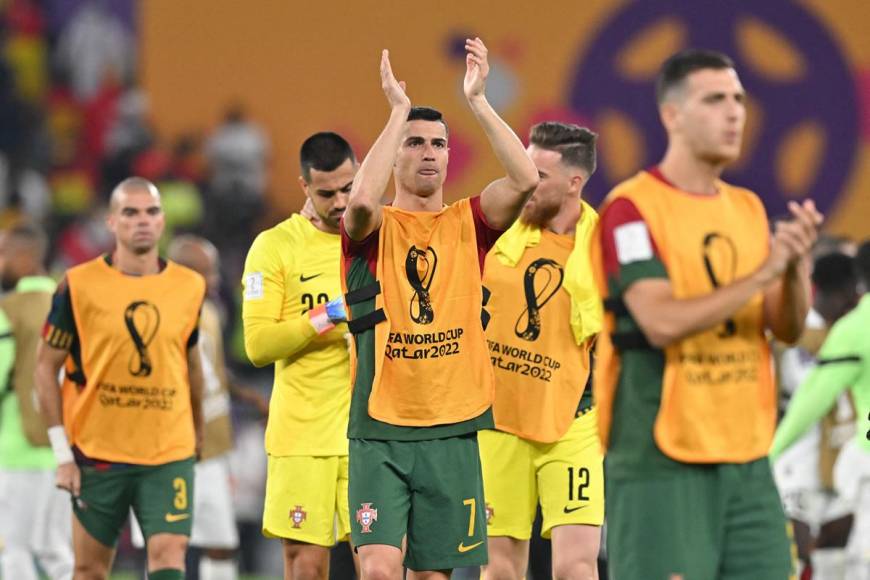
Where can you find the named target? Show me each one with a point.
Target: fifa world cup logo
(541, 281)
(142, 320)
(720, 262)
(420, 269)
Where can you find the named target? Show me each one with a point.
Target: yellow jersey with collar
(290, 269)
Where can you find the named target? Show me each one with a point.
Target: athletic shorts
(160, 495)
(428, 491)
(566, 477)
(306, 499)
(718, 521)
(214, 525)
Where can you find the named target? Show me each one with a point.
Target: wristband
(60, 445)
(319, 319)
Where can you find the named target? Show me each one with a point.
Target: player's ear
(577, 182)
(668, 113)
(303, 184)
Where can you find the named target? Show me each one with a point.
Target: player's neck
(323, 226)
(409, 202)
(565, 222)
(690, 173)
(136, 264)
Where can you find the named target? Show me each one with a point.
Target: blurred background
(212, 99)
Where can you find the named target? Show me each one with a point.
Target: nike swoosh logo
(463, 548)
(568, 510)
(172, 518)
(304, 278)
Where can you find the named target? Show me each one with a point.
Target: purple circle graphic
(826, 94)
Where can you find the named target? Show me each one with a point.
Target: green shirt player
(35, 516)
(423, 380)
(843, 363)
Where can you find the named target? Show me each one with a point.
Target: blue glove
(336, 310)
(326, 316)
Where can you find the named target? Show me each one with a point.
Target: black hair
(862, 263)
(679, 66)
(834, 272)
(427, 114)
(324, 151)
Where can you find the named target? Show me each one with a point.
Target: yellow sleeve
(268, 338)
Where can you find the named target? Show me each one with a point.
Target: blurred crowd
(74, 123)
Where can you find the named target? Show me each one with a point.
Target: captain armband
(57, 338)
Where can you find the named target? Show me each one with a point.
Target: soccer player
(34, 514)
(423, 381)
(820, 518)
(293, 314)
(683, 381)
(124, 326)
(842, 364)
(540, 331)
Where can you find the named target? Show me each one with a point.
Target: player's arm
(665, 319)
(268, 337)
(502, 199)
(839, 364)
(787, 301)
(662, 317)
(49, 361)
(59, 334)
(363, 213)
(197, 388)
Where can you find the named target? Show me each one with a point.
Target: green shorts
(160, 495)
(430, 491)
(717, 522)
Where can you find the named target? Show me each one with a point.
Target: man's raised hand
(393, 89)
(476, 68)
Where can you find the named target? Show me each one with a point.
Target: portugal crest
(366, 516)
(298, 515)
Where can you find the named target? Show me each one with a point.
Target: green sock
(166, 574)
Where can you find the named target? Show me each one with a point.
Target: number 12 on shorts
(583, 483)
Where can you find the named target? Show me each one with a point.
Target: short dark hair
(862, 263)
(324, 151)
(427, 114)
(834, 272)
(575, 143)
(33, 237)
(679, 66)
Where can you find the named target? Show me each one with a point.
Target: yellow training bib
(718, 395)
(431, 364)
(133, 333)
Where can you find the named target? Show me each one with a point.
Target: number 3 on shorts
(472, 504)
(180, 487)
